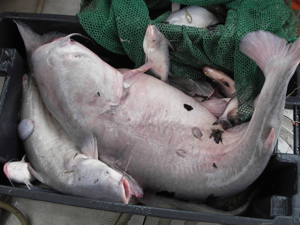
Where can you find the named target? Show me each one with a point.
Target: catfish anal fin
(35, 174)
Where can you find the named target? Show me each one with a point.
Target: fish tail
(278, 61)
(266, 48)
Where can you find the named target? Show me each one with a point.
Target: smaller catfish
(194, 16)
(18, 172)
(58, 163)
(156, 47)
(224, 82)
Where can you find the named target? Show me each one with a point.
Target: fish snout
(5, 170)
(131, 187)
(150, 35)
(127, 192)
(152, 32)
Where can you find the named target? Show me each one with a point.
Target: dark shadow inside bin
(279, 186)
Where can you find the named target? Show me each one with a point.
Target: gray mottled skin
(151, 121)
(57, 162)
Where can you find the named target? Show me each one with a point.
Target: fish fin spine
(90, 149)
(131, 76)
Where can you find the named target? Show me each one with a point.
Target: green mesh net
(120, 25)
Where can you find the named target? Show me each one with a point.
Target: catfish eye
(106, 173)
(76, 56)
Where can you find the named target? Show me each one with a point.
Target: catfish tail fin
(264, 47)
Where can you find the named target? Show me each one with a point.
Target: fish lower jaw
(127, 192)
(5, 170)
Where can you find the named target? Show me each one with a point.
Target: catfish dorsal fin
(90, 148)
(262, 47)
(30, 38)
(33, 40)
(131, 76)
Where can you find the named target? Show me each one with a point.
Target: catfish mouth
(5, 170)
(131, 188)
(126, 190)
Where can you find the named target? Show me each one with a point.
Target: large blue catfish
(166, 135)
(56, 161)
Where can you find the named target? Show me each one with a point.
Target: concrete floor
(46, 213)
(70, 7)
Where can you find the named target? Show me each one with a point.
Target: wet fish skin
(194, 16)
(153, 121)
(156, 48)
(57, 162)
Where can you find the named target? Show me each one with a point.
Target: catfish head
(94, 179)
(57, 63)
